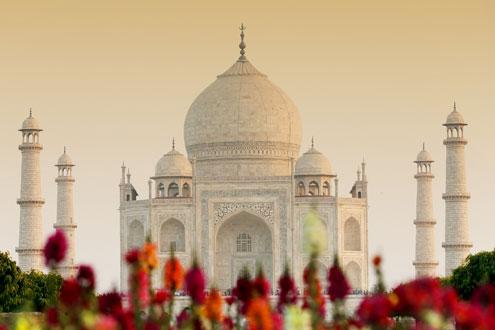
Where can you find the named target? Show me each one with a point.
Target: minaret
(425, 262)
(65, 212)
(457, 245)
(31, 201)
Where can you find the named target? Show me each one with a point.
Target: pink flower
(55, 248)
(110, 303)
(105, 322)
(288, 290)
(195, 284)
(86, 277)
(70, 292)
(132, 256)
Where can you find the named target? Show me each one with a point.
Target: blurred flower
(110, 303)
(105, 322)
(183, 317)
(132, 256)
(375, 310)
(213, 308)
(174, 274)
(161, 296)
(151, 325)
(243, 290)
(70, 292)
(86, 277)
(149, 257)
(52, 316)
(55, 248)
(258, 315)
(288, 290)
(296, 318)
(261, 286)
(338, 287)
(228, 323)
(377, 261)
(195, 284)
(314, 234)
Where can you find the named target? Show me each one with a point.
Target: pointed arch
(314, 188)
(352, 235)
(186, 190)
(173, 190)
(172, 235)
(326, 189)
(135, 236)
(353, 272)
(301, 190)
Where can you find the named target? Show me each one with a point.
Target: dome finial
(455, 107)
(242, 45)
(312, 142)
(65, 149)
(423, 146)
(173, 143)
(30, 113)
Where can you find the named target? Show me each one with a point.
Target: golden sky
(113, 80)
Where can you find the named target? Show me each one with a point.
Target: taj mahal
(242, 192)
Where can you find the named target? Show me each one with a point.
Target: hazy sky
(113, 80)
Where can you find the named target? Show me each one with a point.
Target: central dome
(245, 111)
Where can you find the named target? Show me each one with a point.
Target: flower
(288, 290)
(139, 288)
(418, 295)
(213, 308)
(51, 316)
(261, 286)
(70, 292)
(296, 318)
(183, 318)
(174, 274)
(338, 287)
(195, 284)
(375, 310)
(258, 315)
(86, 277)
(55, 248)
(377, 261)
(314, 238)
(161, 296)
(243, 290)
(105, 322)
(148, 255)
(132, 256)
(110, 303)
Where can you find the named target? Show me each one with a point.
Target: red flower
(161, 296)
(55, 248)
(261, 286)
(150, 325)
(52, 316)
(258, 315)
(174, 274)
(243, 291)
(288, 290)
(70, 292)
(377, 261)
(110, 303)
(375, 310)
(484, 295)
(338, 287)
(132, 256)
(418, 295)
(183, 318)
(195, 284)
(228, 323)
(86, 277)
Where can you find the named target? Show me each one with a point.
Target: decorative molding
(223, 210)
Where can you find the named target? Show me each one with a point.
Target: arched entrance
(243, 240)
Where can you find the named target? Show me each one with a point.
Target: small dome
(173, 164)
(30, 123)
(65, 160)
(313, 162)
(455, 118)
(424, 156)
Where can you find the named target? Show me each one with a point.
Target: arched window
(173, 190)
(314, 189)
(359, 194)
(244, 243)
(326, 188)
(186, 190)
(301, 191)
(352, 235)
(161, 190)
(353, 273)
(128, 197)
(135, 237)
(172, 235)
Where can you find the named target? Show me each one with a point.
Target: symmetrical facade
(242, 195)
(425, 262)
(31, 200)
(457, 244)
(65, 212)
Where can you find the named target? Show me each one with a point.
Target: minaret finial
(173, 143)
(455, 107)
(312, 142)
(65, 149)
(242, 45)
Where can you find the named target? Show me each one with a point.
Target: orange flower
(174, 274)
(259, 315)
(149, 257)
(213, 307)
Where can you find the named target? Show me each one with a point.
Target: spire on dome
(173, 143)
(423, 146)
(30, 113)
(312, 142)
(242, 44)
(455, 107)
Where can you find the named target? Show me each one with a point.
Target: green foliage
(11, 283)
(479, 269)
(31, 291)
